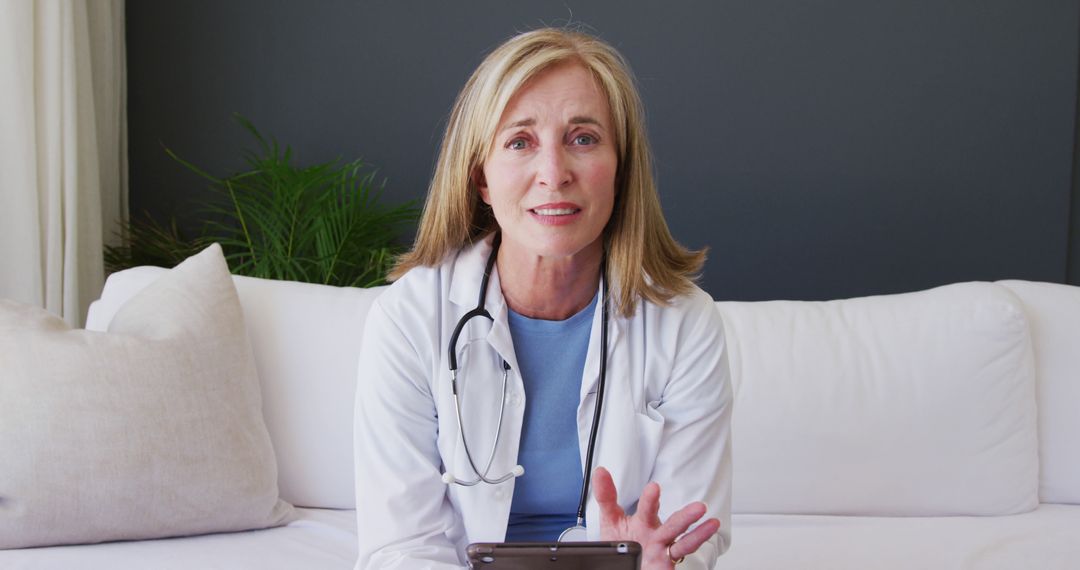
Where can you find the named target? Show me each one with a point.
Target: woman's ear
(481, 184)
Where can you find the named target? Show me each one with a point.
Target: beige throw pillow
(150, 430)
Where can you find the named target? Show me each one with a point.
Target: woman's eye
(584, 140)
(517, 144)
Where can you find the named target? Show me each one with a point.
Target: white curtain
(63, 149)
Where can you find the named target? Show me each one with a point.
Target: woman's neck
(549, 288)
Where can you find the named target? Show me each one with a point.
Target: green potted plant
(276, 220)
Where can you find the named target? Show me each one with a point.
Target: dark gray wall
(820, 149)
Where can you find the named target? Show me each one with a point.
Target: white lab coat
(666, 416)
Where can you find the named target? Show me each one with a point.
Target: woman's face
(550, 177)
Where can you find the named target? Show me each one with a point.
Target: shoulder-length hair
(643, 259)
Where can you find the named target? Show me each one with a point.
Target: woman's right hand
(661, 545)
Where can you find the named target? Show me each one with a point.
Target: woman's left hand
(659, 548)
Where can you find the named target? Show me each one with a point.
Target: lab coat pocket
(636, 453)
(650, 432)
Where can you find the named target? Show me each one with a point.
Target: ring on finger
(672, 558)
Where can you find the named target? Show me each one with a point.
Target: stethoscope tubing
(491, 453)
(599, 397)
(480, 311)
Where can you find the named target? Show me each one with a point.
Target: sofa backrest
(917, 404)
(306, 340)
(1053, 311)
(896, 404)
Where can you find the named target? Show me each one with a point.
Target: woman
(542, 212)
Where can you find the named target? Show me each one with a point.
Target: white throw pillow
(152, 429)
(306, 340)
(1054, 313)
(918, 404)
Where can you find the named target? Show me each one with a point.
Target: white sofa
(881, 432)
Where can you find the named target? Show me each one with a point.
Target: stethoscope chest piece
(576, 533)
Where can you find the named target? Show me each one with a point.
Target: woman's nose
(554, 168)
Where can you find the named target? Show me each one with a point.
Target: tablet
(554, 555)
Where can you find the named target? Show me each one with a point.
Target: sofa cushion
(306, 340)
(149, 430)
(318, 539)
(916, 404)
(1043, 539)
(1054, 313)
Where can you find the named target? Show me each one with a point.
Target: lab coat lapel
(465, 289)
(618, 432)
(501, 341)
(489, 504)
(614, 383)
(469, 273)
(499, 336)
(590, 378)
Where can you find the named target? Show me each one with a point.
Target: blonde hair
(643, 259)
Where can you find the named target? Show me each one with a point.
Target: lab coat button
(514, 400)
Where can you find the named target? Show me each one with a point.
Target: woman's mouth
(555, 211)
(555, 214)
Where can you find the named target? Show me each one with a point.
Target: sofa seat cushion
(1044, 538)
(317, 539)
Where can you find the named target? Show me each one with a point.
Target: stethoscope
(576, 531)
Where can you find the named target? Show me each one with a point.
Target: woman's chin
(558, 247)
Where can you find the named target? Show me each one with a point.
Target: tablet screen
(554, 555)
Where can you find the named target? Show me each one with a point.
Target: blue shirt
(551, 360)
